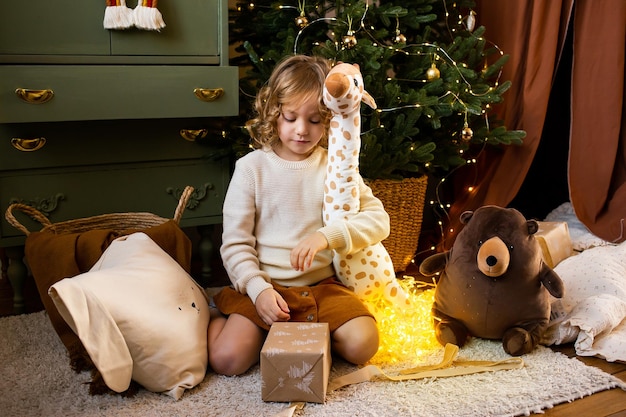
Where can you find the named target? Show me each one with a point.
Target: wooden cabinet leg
(205, 251)
(17, 273)
(4, 263)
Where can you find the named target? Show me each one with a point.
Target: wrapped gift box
(295, 362)
(555, 242)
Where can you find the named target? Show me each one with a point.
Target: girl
(275, 248)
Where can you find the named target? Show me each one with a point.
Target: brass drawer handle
(28, 145)
(34, 96)
(208, 94)
(192, 134)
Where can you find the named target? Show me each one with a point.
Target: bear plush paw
(452, 332)
(517, 341)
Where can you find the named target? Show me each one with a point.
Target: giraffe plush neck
(343, 93)
(369, 272)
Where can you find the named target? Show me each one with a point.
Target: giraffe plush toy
(369, 272)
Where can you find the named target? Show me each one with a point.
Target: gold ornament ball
(302, 22)
(400, 38)
(467, 134)
(349, 41)
(433, 73)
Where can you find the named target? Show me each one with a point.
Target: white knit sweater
(271, 204)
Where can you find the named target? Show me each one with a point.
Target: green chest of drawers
(97, 121)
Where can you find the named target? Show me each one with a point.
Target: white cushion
(593, 309)
(140, 316)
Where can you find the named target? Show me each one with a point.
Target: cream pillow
(594, 305)
(140, 316)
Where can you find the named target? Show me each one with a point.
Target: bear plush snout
(493, 257)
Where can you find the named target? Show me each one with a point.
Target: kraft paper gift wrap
(555, 242)
(295, 362)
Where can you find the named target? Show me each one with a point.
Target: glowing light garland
(407, 333)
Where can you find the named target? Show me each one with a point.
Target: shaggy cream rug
(36, 380)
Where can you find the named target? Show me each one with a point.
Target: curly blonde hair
(294, 80)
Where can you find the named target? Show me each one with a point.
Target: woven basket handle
(38, 216)
(32, 212)
(182, 203)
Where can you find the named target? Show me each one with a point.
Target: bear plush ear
(466, 216)
(533, 226)
(434, 264)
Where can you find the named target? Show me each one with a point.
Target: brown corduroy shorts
(329, 301)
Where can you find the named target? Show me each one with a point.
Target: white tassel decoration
(148, 18)
(117, 15)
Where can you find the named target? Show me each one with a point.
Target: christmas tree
(433, 74)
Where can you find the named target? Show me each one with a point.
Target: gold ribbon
(288, 412)
(449, 366)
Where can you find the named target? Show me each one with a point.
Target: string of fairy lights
(398, 45)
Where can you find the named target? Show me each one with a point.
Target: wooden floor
(603, 404)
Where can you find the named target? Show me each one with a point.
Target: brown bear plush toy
(494, 283)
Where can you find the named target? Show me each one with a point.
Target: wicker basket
(404, 201)
(113, 221)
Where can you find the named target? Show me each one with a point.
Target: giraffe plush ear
(368, 99)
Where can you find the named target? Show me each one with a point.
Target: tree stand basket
(404, 202)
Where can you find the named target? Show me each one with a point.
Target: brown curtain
(597, 160)
(532, 32)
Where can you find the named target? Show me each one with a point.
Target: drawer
(104, 142)
(87, 191)
(100, 92)
(44, 27)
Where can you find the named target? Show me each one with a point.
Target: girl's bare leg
(356, 340)
(234, 344)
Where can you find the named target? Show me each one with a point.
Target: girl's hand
(304, 252)
(272, 307)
